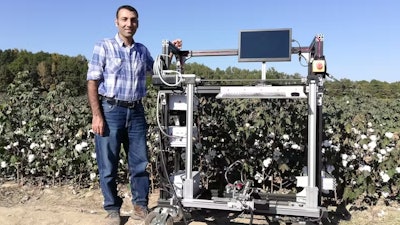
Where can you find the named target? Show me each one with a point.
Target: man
(116, 84)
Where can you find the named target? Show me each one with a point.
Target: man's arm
(93, 97)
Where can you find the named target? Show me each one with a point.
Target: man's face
(127, 23)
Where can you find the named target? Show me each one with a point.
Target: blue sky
(361, 38)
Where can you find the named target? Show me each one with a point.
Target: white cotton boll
(286, 145)
(365, 146)
(15, 144)
(3, 164)
(23, 122)
(369, 124)
(247, 125)
(389, 135)
(347, 102)
(267, 162)
(351, 167)
(380, 157)
(385, 194)
(33, 145)
(93, 155)
(356, 145)
(258, 177)
(344, 163)
(296, 147)
(365, 168)
(327, 143)
(363, 136)
(84, 144)
(370, 130)
(330, 131)
(336, 148)
(371, 145)
(271, 135)
(285, 137)
(382, 151)
(43, 145)
(398, 169)
(354, 130)
(78, 147)
(31, 157)
(353, 157)
(93, 176)
(385, 177)
(373, 137)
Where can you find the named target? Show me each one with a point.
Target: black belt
(126, 104)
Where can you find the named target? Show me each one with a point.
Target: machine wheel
(179, 217)
(155, 218)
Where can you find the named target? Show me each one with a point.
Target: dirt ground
(25, 205)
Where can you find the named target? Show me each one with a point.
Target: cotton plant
(367, 160)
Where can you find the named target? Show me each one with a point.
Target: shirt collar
(121, 42)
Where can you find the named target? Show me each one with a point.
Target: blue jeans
(126, 127)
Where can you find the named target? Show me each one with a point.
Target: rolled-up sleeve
(97, 63)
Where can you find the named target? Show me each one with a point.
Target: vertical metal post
(264, 71)
(188, 183)
(312, 190)
(312, 134)
(319, 138)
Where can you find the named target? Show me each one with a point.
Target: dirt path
(24, 205)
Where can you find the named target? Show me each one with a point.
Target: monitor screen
(265, 45)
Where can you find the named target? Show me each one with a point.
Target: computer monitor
(273, 45)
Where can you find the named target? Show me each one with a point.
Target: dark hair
(128, 7)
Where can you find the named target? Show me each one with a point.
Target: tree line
(46, 70)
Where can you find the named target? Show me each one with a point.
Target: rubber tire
(153, 215)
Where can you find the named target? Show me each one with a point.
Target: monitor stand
(263, 81)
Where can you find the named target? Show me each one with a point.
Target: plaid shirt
(121, 71)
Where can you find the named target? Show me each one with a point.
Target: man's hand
(177, 43)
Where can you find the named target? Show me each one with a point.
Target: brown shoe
(113, 218)
(139, 212)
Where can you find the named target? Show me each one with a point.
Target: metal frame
(313, 91)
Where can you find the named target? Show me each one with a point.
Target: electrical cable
(158, 69)
(300, 55)
(230, 167)
(164, 169)
(163, 165)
